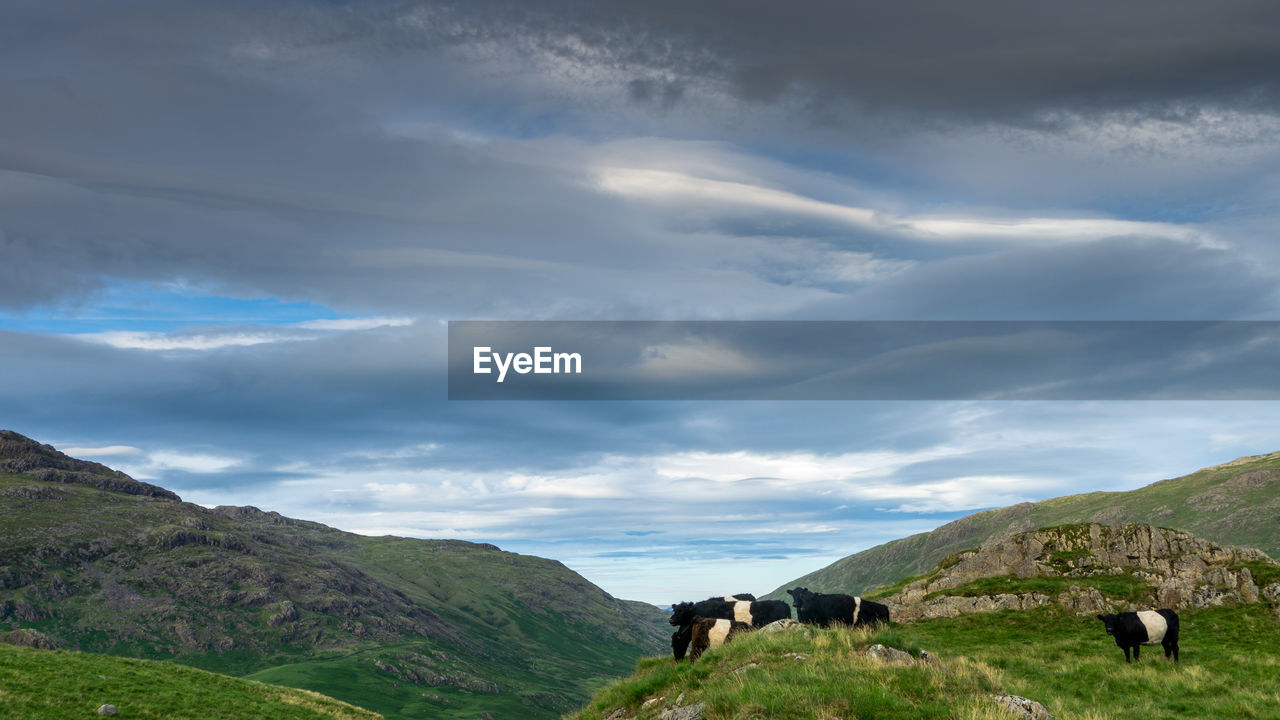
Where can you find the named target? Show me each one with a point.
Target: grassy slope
(52, 685)
(1230, 668)
(1237, 504)
(381, 620)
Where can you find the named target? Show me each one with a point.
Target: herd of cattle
(710, 623)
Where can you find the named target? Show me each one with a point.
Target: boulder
(685, 712)
(26, 637)
(780, 625)
(288, 613)
(1022, 707)
(892, 656)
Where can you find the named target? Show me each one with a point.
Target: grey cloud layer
(448, 160)
(979, 59)
(382, 158)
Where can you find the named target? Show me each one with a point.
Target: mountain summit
(21, 454)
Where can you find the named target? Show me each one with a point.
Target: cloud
(216, 338)
(686, 189)
(104, 451)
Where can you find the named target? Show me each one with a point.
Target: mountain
(53, 685)
(426, 628)
(1237, 503)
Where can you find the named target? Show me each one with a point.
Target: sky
(232, 235)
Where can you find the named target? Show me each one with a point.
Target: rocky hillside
(1087, 569)
(100, 562)
(1237, 503)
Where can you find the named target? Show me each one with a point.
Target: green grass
(1230, 669)
(757, 676)
(885, 591)
(1263, 573)
(55, 685)
(1230, 663)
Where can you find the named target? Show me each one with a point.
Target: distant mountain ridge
(1235, 503)
(410, 628)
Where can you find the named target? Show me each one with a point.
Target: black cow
(680, 640)
(1145, 627)
(822, 609)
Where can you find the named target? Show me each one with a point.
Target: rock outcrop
(26, 637)
(1169, 568)
(1023, 707)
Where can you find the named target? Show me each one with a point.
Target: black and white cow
(823, 609)
(756, 613)
(750, 613)
(1145, 627)
(708, 633)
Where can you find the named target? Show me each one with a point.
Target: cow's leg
(1137, 651)
(1171, 649)
(1126, 653)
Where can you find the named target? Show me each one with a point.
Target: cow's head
(1112, 623)
(800, 596)
(681, 613)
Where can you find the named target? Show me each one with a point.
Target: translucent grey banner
(832, 360)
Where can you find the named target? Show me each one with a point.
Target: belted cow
(1145, 627)
(708, 633)
(749, 613)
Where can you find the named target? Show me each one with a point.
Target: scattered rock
(928, 658)
(288, 613)
(107, 709)
(619, 714)
(780, 625)
(889, 655)
(798, 657)
(24, 610)
(1022, 707)
(687, 712)
(954, 605)
(744, 667)
(1272, 592)
(1083, 601)
(652, 700)
(26, 637)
